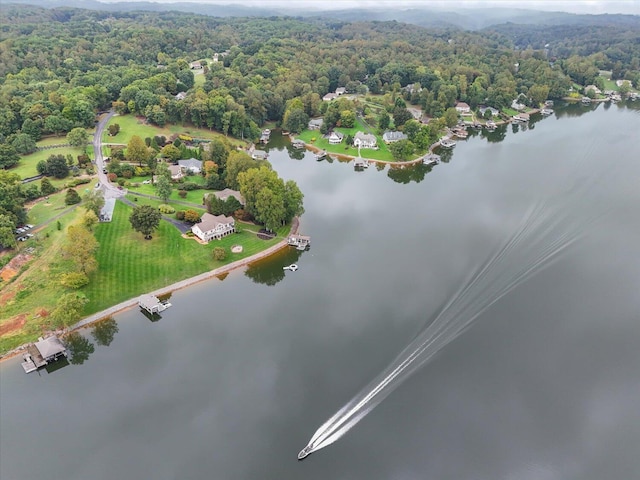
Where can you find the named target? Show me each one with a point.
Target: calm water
(234, 379)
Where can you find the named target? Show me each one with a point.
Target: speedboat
(304, 452)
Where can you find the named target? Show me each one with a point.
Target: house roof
(210, 222)
(227, 192)
(175, 170)
(190, 163)
(337, 135)
(329, 96)
(340, 90)
(316, 121)
(50, 346)
(393, 136)
(365, 137)
(462, 105)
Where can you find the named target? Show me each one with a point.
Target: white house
(516, 105)
(341, 91)
(329, 96)
(364, 140)
(335, 138)
(462, 107)
(192, 165)
(213, 226)
(390, 137)
(176, 172)
(494, 111)
(595, 89)
(181, 96)
(315, 124)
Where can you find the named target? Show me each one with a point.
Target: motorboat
(447, 143)
(306, 451)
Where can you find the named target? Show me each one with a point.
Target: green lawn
(193, 196)
(130, 266)
(509, 111)
(26, 167)
(131, 125)
(382, 153)
(156, 202)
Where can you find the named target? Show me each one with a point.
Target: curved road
(110, 190)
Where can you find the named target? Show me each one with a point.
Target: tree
(56, 166)
(293, 199)
(451, 117)
(68, 309)
(57, 124)
(295, 120)
(219, 254)
(402, 149)
(114, 129)
(46, 188)
(78, 137)
(163, 188)
(384, 121)
(171, 152)
(94, 201)
(74, 280)
(72, 197)
(104, 331)
(347, 118)
(252, 182)
(24, 144)
(137, 150)
(230, 205)
(8, 156)
(539, 94)
(236, 163)
(7, 226)
(191, 216)
(270, 209)
(401, 116)
(89, 220)
(145, 219)
(80, 247)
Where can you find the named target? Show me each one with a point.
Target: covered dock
(43, 352)
(301, 242)
(152, 304)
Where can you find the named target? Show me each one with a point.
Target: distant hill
(464, 18)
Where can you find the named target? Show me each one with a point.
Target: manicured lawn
(156, 202)
(26, 167)
(130, 266)
(509, 111)
(193, 196)
(322, 143)
(131, 125)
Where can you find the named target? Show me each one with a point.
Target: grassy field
(193, 196)
(131, 125)
(130, 266)
(382, 153)
(26, 167)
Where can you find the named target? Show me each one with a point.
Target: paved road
(110, 190)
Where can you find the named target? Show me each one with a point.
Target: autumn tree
(137, 150)
(145, 219)
(80, 248)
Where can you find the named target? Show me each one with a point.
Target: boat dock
(151, 304)
(431, 159)
(360, 162)
(42, 353)
(301, 242)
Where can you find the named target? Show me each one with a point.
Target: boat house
(152, 304)
(43, 352)
(301, 242)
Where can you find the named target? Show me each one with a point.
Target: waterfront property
(298, 144)
(192, 165)
(447, 143)
(43, 352)
(463, 108)
(390, 137)
(224, 195)
(213, 226)
(301, 242)
(364, 140)
(336, 138)
(521, 117)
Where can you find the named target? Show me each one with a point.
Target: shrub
(166, 209)
(191, 216)
(180, 215)
(122, 181)
(76, 181)
(182, 193)
(219, 254)
(112, 176)
(74, 280)
(189, 186)
(72, 197)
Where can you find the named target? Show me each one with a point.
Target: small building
(390, 137)
(516, 105)
(431, 159)
(192, 165)
(360, 162)
(329, 96)
(315, 123)
(494, 111)
(298, 143)
(195, 65)
(336, 138)
(340, 91)
(213, 226)
(176, 172)
(364, 140)
(521, 117)
(152, 304)
(181, 96)
(411, 89)
(43, 352)
(462, 108)
(301, 242)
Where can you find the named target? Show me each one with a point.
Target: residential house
(364, 140)
(181, 96)
(595, 89)
(192, 165)
(494, 111)
(516, 105)
(195, 66)
(213, 226)
(462, 108)
(390, 137)
(335, 138)
(341, 91)
(224, 195)
(411, 89)
(315, 123)
(329, 96)
(619, 83)
(176, 172)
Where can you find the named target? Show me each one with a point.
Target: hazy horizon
(577, 6)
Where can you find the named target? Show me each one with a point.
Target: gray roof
(393, 136)
(210, 222)
(316, 121)
(50, 347)
(227, 192)
(190, 163)
(367, 137)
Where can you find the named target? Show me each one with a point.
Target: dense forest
(60, 66)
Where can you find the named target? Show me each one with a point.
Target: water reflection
(269, 271)
(104, 331)
(408, 173)
(79, 348)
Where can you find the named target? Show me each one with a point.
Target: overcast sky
(574, 6)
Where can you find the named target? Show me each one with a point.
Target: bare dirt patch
(16, 323)
(12, 268)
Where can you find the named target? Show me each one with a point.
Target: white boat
(447, 143)
(546, 111)
(304, 452)
(293, 267)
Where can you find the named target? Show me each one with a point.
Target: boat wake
(540, 239)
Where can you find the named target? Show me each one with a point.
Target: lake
(234, 379)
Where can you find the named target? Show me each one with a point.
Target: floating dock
(152, 304)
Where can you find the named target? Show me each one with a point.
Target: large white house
(335, 138)
(390, 137)
(462, 107)
(213, 226)
(192, 165)
(364, 140)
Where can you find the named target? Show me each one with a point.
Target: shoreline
(174, 287)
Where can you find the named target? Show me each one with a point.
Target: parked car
(97, 185)
(29, 235)
(28, 226)
(23, 239)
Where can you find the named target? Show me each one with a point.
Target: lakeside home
(213, 226)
